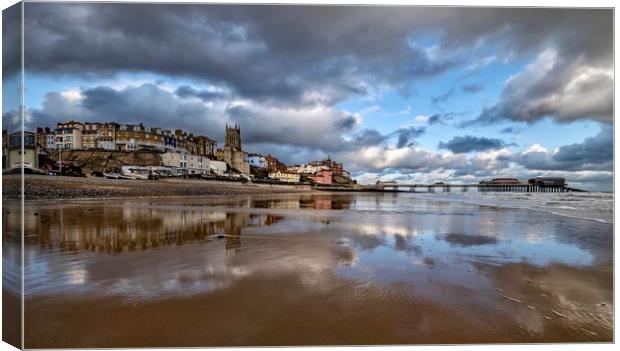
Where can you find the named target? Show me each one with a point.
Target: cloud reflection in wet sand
(310, 269)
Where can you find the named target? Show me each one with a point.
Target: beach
(311, 269)
(40, 187)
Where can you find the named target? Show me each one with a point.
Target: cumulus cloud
(406, 136)
(469, 143)
(407, 159)
(309, 54)
(316, 127)
(593, 154)
(560, 87)
(368, 137)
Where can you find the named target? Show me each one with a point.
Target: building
(548, 181)
(219, 154)
(288, 177)
(127, 137)
(323, 177)
(68, 135)
(502, 181)
(26, 155)
(204, 146)
(307, 169)
(233, 154)
(274, 165)
(50, 142)
(233, 137)
(332, 165)
(257, 161)
(185, 163)
(90, 135)
(42, 137)
(132, 137)
(217, 167)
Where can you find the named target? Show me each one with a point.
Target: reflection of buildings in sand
(121, 229)
(232, 227)
(316, 202)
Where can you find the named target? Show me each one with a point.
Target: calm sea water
(317, 269)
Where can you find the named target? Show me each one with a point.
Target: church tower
(233, 137)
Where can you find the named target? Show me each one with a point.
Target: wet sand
(41, 187)
(311, 269)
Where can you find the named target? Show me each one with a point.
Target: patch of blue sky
(394, 110)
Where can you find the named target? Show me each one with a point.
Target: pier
(446, 188)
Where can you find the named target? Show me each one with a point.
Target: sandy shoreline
(38, 187)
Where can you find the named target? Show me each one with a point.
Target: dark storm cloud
(284, 53)
(594, 153)
(148, 104)
(469, 143)
(472, 88)
(260, 52)
(11, 63)
(205, 95)
(11, 40)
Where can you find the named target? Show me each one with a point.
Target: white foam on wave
(589, 206)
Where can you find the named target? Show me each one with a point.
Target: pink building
(322, 177)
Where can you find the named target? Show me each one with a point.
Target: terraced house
(75, 135)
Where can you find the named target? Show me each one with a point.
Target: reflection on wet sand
(310, 269)
(117, 230)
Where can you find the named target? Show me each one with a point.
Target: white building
(68, 138)
(185, 163)
(306, 169)
(50, 141)
(285, 177)
(217, 167)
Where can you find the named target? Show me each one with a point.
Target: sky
(412, 94)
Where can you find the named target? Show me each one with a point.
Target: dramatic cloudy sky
(405, 93)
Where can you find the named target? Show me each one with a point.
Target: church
(233, 154)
